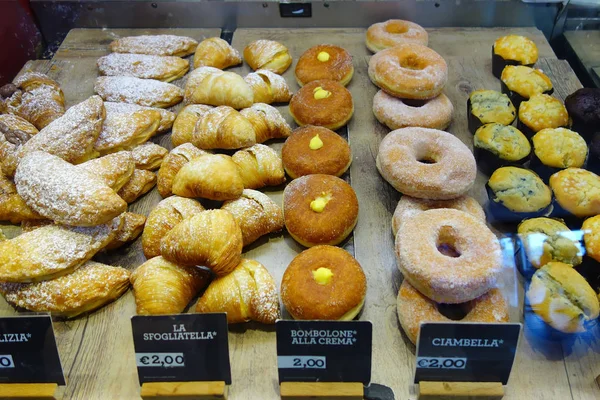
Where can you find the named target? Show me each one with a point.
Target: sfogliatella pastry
(16, 130)
(315, 150)
(211, 239)
(12, 206)
(394, 32)
(248, 293)
(562, 298)
(223, 128)
(591, 229)
(448, 255)
(583, 107)
(144, 92)
(88, 288)
(256, 214)
(148, 156)
(211, 86)
(259, 166)
(324, 61)
(512, 50)
(487, 107)
(115, 170)
(268, 87)
(172, 163)
(521, 82)
(539, 112)
(322, 103)
(158, 45)
(324, 283)
(216, 52)
(141, 182)
(52, 250)
(132, 227)
(269, 55)
(183, 127)
(409, 71)
(398, 113)
(62, 192)
(577, 192)
(166, 117)
(496, 145)
(319, 209)
(212, 176)
(268, 123)
(164, 217)
(162, 287)
(122, 131)
(557, 149)
(162, 68)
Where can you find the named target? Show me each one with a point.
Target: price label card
(324, 351)
(28, 352)
(466, 352)
(181, 348)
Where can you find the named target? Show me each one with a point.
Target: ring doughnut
(396, 113)
(323, 103)
(414, 309)
(324, 61)
(394, 31)
(426, 163)
(409, 71)
(448, 255)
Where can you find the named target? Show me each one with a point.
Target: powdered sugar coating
(144, 92)
(395, 113)
(393, 32)
(160, 45)
(267, 54)
(124, 130)
(163, 68)
(148, 156)
(166, 117)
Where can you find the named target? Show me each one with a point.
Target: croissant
(172, 163)
(144, 92)
(35, 97)
(148, 156)
(247, 293)
(256, 214)
(267, 122)
(162, 68)
(162, 287)
(70, 137)
(166, 117)
(211, 238)
(12, 206)
(141, 182)
(133, 224)
(159, 45)
(115, 170)
(269, 55)
(52, 250)
(167, 213)
(268, 87)
(88, 288)
(223, 128)
(16, 130)
(123, 130)
(207, 85)
(183, 128)
(259, 166)
(216, 52)
(212, 176)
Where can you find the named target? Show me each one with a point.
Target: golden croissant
(183, 128)
(269, 55)
(216, 52)
(267, 122)
(207, 85)
(115, 170)
(172, 163)
(162, 68)
(223, 128)
(166, 117)
(259, 166)
(247, 293)
(132, 227)
(162, 287)
(141, 182)
(12, 206)
(268, 87)
(211, 239)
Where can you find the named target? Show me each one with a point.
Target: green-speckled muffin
(488, 106)
(496, 145)
(557, 149)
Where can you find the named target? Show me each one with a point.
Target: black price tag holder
(465, 360)
(324, 358)
(182, 356)
(29, 362)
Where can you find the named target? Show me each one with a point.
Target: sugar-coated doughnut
(319, 209)
(323, 103)
(324, 61)
(393, 32)
(315, 150)
(324, 282)
(426, 163)
(396, 113)
(414, 308)
(448, 255)
(409, 71)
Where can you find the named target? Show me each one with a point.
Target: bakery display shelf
(97, 349)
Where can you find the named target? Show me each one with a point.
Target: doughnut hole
(412, 61)
(446, 242)
(396, 27)
(455, 312)
(425, 155)
(415, 103)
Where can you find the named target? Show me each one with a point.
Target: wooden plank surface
(97, 350)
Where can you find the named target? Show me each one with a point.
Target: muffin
(513, 50)
(541, 111)
(496, 145)
(591, 229)
(583, 106)
(557, 149)
(577, 192)
(520, 83)
(488, 106)
(517, 193)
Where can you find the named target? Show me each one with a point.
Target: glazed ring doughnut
(409, 71)
(426, 163)
(323, 103)
(315, 150)
(324, 61)
(396, 113)
(319, 209)
(414, 309)
(324, 282)
(393, 32)
(448, 255)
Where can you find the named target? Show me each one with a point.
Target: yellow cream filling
(320, 93)
(323, 56)
(315, 143)
(318, 204)
(323, 276)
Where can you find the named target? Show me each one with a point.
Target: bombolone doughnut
(426, 163)
(394, 31)
(448, 255)
(396, 113)
(324, 61)
(323, 103)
